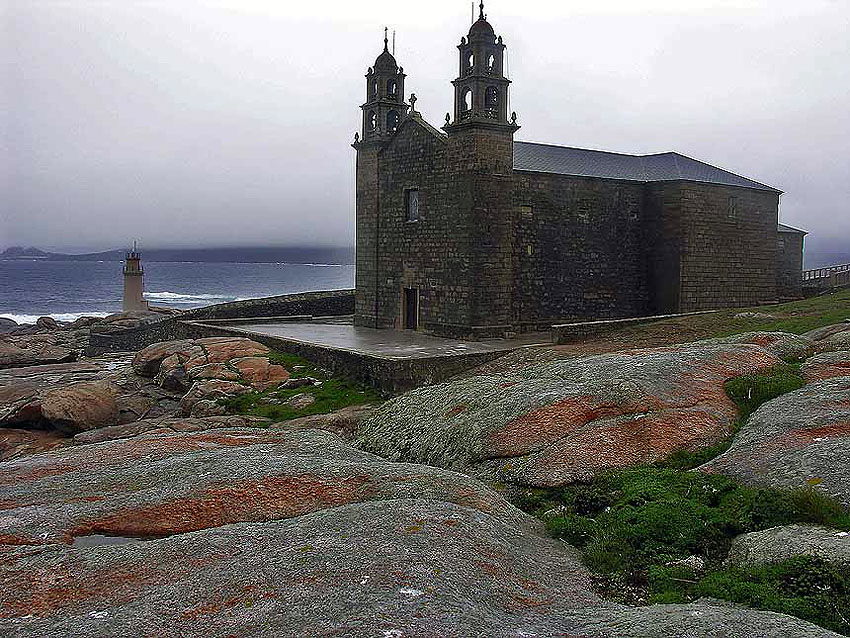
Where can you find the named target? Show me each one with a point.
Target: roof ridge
(578, 148)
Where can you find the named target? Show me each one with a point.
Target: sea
(66, 290)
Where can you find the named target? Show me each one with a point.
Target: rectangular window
(526, 211)
(733, 208)
(411, 204)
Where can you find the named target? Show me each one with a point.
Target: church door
(411, 308)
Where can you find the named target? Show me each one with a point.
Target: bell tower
(481, 88)
(384, 107)
(480, 162)
(383, 112)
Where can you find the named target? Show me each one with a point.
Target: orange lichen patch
(629, 442)
(553, 422)
(249, 595)
(460, 408)
(260, 373)
(11, 539)
(526, 601)
(268, 499)
(834, 430)
(821, 371)
(489, 568)
(44, 592)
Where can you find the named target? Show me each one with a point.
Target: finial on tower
(386, 39)
(481, 15)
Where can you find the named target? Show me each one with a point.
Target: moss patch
(633, 525)
(329, 395)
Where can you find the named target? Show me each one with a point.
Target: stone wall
(728, 246)
(789, 265)
(579, 249)
(319, 304)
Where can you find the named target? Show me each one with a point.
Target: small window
(491, 97)
(466, 100)
(491, 63)
(411, 205)
(372, 120)
(392, 89)
(392, 121)
(526, 210)
(470, 60)
(733, 208)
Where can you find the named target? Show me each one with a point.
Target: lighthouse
(134, 286)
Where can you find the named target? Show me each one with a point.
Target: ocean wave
(59, 316)
(185, 298)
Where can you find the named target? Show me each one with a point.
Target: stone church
(467, 232)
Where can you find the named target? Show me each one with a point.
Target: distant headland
(245, 254)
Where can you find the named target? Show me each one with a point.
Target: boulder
(261, 374)
(826, 366)
(411, 568)
(32, 350)
(343, 422)
(785, 345)
(167, 426)
(81, 406)
(782, 543)
(818, 334)
(174, 482)
(47, 323)
(18, 443)
(798, 439)
(834, 342)
(209, 391)
(175, 363)
(83, 322)
(7, 325)
(565, 420)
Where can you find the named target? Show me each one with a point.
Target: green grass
(333, 393)
(806, 587)
(796, 317)
(631, 523)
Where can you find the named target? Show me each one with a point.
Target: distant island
(280, 254)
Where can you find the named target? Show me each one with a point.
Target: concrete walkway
(341, 334)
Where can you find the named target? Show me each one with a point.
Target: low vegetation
(327, 394)
(660, 534)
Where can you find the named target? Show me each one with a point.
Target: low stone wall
(571, 332)
(387, 374)
(320, 304)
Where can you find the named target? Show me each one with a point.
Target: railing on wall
(827, 276)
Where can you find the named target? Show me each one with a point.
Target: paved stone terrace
(341, 334)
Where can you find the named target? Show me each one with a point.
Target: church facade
(467, 232)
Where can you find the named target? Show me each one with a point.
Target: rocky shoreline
(213, 487)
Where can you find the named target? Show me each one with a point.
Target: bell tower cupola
(481, 89)
(384, 108)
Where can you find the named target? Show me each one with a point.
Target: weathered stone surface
(7, 325)
(81, 406)
(785, 345)
(210, 390)
(175, 482)
(834, 342)
(167, 426)
(827, 365)
(27, 351)
(819, 334)
(343, 422)
(121, 322)
(18, 443)
(565, 420)
(781, 543)
(47, 323)
(410, 568)
(800, 438)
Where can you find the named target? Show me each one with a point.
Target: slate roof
(565, 160)
(784, 228)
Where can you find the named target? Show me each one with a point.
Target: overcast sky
(225, 123)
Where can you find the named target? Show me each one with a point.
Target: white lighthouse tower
(134, 286)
